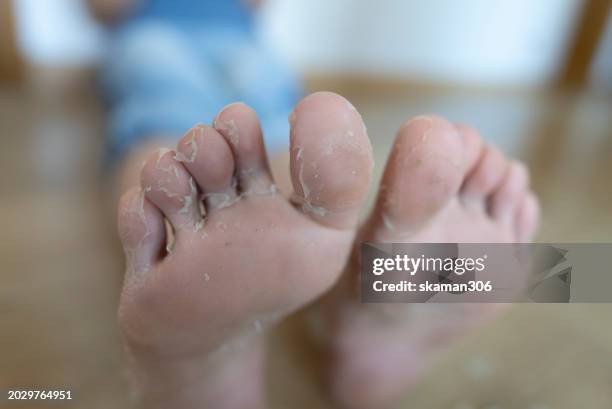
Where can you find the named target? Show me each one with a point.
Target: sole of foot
(215, 255)
(442, 184)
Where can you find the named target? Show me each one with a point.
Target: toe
(331, 159)
(473, 145)
(240, 127)
(505, 199)
(207, 156)
(424, 171)
(486, 176)
(141, 230)
(169, 186)
(527, 218)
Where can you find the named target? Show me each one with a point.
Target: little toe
(424, 171)
(207, 156)
(331, 159)
(240, 127)
(505, 199)
(141, 230)
(169, 186)
(527, 218)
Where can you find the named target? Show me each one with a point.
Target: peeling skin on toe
(260, 187)
(220, 200)
(168, 184)
(231, 128)
(306, 204)
(199, 226)
(305, 201)
(189, 199)
(166, 191)
(307, 207)
(160, 154)
(387, 222)
(305, 189)
(136, 207)
(327, 147)
(418, 118)
(169, 247)
(193, 145)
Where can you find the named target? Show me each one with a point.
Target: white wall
(503, 42)
(57, 32)
(474, 41)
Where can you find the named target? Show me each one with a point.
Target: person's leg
(259, 78)
(193, 312)
(442, 184)
(156, 87)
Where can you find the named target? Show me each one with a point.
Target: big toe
(331, 159)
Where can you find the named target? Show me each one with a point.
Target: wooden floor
(61, 266)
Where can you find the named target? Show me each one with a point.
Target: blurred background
(535, 77)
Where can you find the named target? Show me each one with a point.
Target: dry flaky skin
(191, 141)
(243, 256)
(442, 184)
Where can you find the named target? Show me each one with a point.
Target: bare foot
(241, 256)
(442, 184)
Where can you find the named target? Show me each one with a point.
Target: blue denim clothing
(161, 78)
(230, 13)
